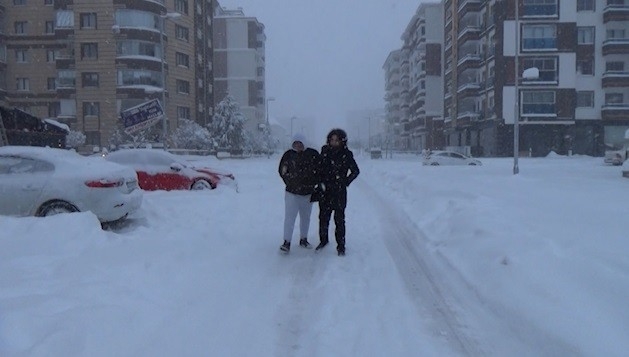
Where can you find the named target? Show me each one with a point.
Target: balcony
(614, 46)
(469, 32)
(468, 89)
(613, 79)
(469, 115)
(616, 13)
(469, 61)
(469, 6)
(615, 111)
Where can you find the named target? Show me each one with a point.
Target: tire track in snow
(458, 312)
(400, 235)
(294, 311)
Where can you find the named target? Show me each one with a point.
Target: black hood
(341, 135)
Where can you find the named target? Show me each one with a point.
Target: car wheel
(56, 207)
(201, 185)
(434, 163)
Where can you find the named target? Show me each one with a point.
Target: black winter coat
(299, 170)
(337, 168)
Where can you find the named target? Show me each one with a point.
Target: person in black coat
(337, 170)
(298, 168)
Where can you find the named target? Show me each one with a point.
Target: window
(91, 109)
(138, 48)
(615, 66)
(183, 112)
(89, 79)
(183, 87)
(585, 99)
(539, 37)
(540, 7)
(616, 34)
(66, 78)
(51, 83)
(131, 77)
(49, 2)
(585, 5)
(89, 51)
(22, 84)
(21, 56)
(137, 18)
(182, 59)
(50, 56)
(547, 68)
(538, 103)
(54, 109)
(19, 2)
(585, 35)
(585, 66)
(88, 20)
(181, 6)
(50, 27)
(614, 99)
(65, 19)
(181, 33)
(20, 27)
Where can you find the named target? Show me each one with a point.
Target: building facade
(239, 63)
(394, 101)
(83, 62)
(580, 101)
(422, 78)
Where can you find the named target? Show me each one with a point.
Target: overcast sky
(324, 57)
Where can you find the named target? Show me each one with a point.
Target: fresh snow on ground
(440, 261)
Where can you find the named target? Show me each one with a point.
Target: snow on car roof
(68, 161)
(144, 156)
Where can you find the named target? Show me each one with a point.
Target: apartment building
(83, 62)
(239, 63)
(422, 78)
(579, 103)
(393, 98)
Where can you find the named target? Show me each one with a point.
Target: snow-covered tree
(190, 135)
(75, 139)
(119, 136)
(227, 126)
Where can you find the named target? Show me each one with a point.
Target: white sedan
(36, 181)
(449, 158)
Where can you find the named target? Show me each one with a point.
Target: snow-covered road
(430, 270)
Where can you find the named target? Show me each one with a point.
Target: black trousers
(333, 202)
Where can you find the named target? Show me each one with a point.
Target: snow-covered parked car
(437, 158)
(615, 158)
(161, 170)
(37, 181)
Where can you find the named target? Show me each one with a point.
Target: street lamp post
(516, 101)
(269, 99)
(291, 126)
(531, 73)
(162, 31)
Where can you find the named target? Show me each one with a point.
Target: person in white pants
(298, 169)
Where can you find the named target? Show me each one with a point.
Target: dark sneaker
(285, 247)
(321, 245)
(304, 243)
(341, 251)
